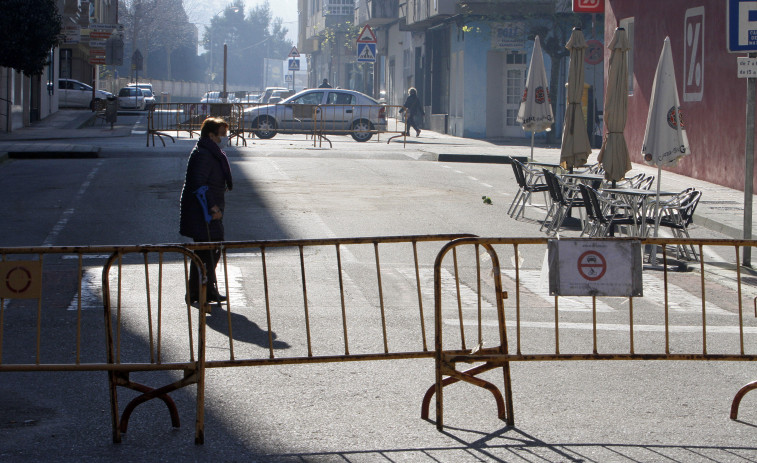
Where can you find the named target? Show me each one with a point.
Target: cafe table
(638, 200)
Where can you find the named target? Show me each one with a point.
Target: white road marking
(486, 185)
(68, 213)
(91, 290)
(537, 283)
(711, 329)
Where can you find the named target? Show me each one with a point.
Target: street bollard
(111, 110)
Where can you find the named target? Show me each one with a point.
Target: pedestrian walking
(325, 84)
(413, 110)
(202, 202)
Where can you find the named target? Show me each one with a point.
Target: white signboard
(746, 67)
(509, 35)
(71, 34)
(595, 267)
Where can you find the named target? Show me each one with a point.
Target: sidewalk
(60, 130)
(721, 209)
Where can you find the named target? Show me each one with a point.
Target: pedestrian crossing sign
(294, 64)
(366, 52)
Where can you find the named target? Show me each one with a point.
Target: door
(514, 84)
(340, 115)
(298, 113)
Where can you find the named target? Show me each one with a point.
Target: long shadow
(512, 444)
(243, 329)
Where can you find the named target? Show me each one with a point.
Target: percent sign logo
(693, 56)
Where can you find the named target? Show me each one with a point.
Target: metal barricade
(140, 332)
(188, 118)
(366, 302)
(284, 265)
(704, 337)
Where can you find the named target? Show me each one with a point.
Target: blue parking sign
(741, 16)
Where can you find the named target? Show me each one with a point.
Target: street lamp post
(233, 9)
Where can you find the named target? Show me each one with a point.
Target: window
(309, 98)
(338, 7)
(340, 98)
(65, 63)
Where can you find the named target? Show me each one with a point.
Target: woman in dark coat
(208, 172)
(413, 111)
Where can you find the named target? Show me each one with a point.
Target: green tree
(250, 37)
(28, 30)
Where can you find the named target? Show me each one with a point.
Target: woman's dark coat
(203, 168)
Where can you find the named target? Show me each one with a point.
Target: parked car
(346, 111)
(131, 98)
(149, 98)
(75, 94)
(279, 95)
(214, 97)
(148, 93)
(268, 92)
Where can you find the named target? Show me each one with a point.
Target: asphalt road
(362, 411)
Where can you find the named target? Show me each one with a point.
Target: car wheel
(264, 127)
(362, 130)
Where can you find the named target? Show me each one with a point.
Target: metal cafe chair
(606, 213)
(677, 214)
(564, 197)
(528, 183)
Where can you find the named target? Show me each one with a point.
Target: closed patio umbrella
(665, 140)
(535, 112)
(575, 149)
(614, 153)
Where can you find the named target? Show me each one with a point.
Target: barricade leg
(740, 395)
(469, 376)
(147, 394)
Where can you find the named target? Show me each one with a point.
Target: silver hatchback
(332, 111)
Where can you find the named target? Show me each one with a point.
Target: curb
(479, 158)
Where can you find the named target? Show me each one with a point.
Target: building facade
(712, 96)
(26, 99)
(468, 60)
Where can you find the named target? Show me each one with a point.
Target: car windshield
(129, 91)
(147, 92)
(308, 98)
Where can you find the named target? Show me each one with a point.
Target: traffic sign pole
(751, 86)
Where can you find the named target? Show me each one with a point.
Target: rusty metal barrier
(291, 261)
(367, 302)
(704, 337)
(265, 120)
(359, 121)
(163, 118)
(133, 312)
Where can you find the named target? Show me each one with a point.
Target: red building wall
(715, 122)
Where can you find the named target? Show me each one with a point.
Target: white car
(343, 111)
(268, 92)
(149, 98)
(148, 93)
(131, 98)
(214, 97)
(75, 94)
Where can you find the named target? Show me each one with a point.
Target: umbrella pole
(532, 145)
(653, 252)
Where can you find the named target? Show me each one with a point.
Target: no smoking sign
(595, 267)
(20, 279)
